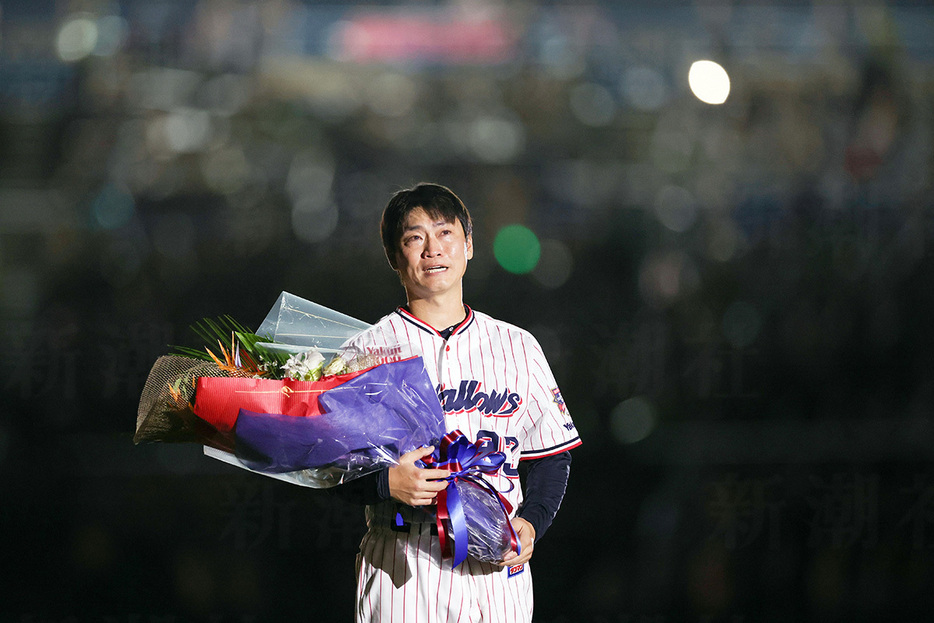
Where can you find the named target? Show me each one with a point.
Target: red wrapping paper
(218, 400)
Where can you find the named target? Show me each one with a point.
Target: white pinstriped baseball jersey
(495, 386)
(493, 381)
(402, 578)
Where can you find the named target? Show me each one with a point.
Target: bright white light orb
(709, 82)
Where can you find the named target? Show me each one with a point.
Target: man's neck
(438, 314)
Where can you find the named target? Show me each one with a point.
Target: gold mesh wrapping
(163, 416)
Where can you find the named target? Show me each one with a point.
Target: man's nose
(432, 247)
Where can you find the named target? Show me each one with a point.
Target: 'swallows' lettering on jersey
(467, 397)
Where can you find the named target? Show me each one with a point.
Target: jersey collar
(424, 326)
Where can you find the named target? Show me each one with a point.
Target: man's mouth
(435, 269)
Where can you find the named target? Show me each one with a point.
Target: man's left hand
(526, 534)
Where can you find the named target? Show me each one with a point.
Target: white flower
(304, 366)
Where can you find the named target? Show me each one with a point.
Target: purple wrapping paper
(487, 529)
(369, 421)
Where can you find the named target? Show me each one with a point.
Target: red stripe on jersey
(570, 445)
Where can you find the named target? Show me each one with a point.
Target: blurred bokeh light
(709, 82)
(77, 39)
(517, 249)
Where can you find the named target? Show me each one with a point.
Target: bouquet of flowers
(270, 402)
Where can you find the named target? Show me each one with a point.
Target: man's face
(432, 256)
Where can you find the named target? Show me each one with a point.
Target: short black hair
(438, 201)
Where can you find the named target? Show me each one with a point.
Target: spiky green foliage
(234, 340)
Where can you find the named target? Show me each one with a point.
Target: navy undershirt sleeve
(364, 490)
(545, 484)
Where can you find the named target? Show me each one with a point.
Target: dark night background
(736, 299)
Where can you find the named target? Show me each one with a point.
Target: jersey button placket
(444, 376)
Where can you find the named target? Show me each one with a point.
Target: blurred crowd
(734, 298)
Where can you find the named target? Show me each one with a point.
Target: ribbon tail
(514, 540)
(458, 524)
(441, 521)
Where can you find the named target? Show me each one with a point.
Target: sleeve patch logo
(559, 400)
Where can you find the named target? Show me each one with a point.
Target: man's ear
(468, 248)
(391, 258)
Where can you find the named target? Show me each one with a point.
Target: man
(496, 387)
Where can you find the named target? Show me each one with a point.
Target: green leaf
(224, 329)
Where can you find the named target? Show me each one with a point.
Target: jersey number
(489, 439)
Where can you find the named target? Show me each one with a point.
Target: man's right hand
(413, 485)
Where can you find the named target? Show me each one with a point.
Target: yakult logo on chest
(468, 397)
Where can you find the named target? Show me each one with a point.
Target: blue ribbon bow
(467, 462)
